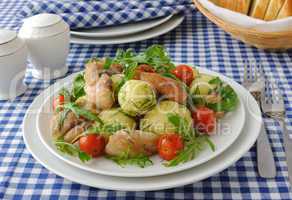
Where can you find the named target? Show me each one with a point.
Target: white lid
(43, 25)
(7, 36)
(43, 20)
(9, 42)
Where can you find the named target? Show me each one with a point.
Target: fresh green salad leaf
(78, 111)
(108, 63)
(191, 149)
(193, 143)
(139, 160)
(182, 126)
(78, 86)
(228, 102)
(71, 150)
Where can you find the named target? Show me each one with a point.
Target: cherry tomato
(204, 119)
(184, 73)
(169, 145)
(59, 100)
(92, 144)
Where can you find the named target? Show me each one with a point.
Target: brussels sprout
(116, 116)
(156, 120)
(116, 80)
(136, 97)
(201, 85)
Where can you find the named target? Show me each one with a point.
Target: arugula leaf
(78, 86)
(216, 81)
(182, 126)
(108, 62)
(191, 149)
(112, 128)
(229, 100)
(139, 160)
(72, 150)
(82, 112)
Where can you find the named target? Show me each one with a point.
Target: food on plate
(136, 97)
(116, 116)
(267, 10)
(135, 106)
(169, 145)
(133, 143)
(168, 87)
(157, 119)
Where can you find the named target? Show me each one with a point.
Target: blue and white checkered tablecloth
(196, 41)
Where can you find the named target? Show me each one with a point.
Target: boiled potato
(201, 84)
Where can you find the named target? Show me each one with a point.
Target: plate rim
(175, 169)
(183, 178)
(109, 35)
(175, 21)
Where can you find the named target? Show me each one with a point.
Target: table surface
(196, 41)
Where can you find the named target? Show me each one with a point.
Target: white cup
(47, 37)
(13, 62)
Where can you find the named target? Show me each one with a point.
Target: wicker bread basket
(262, 40)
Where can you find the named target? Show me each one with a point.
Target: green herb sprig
(139, 160)
(193, 144)
(72, 150)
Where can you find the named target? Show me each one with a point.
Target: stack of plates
(125, 33)
(238, 133)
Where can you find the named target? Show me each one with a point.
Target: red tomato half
(92, 144)
(184, 73)
(59, 100)
(204, 119)
(169, 146)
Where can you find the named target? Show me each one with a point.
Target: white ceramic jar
(13, 62)
(47, 37)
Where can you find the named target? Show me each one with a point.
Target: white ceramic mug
(13, 62)
(48, 38)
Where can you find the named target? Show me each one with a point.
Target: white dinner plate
(163, 28)
(119, 30)
(228, 130)
(231, 155)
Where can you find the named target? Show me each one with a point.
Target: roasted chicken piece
(134, 143)
(97, 66)
(98, 89)
(169, 88)
(60, 128)
(72, 135)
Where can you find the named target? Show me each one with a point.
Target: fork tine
(245, 72)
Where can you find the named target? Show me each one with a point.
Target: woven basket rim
(249, 31)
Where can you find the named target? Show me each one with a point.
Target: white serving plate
(231, 155)
(229, 129)
(163, 28)
(119, 30)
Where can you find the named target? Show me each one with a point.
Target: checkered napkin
(99, 13)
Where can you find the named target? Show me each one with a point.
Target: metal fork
(254, 83)
(273, 106)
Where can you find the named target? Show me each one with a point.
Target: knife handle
(265, 157)
(288, 148)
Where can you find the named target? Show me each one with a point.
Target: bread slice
(243, 6)
(286, 10)
(258, 8)
(228, 4)
(273, 9)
